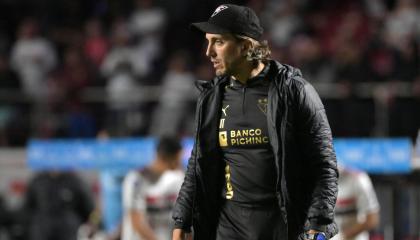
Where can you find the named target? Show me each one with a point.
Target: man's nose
(209, 51)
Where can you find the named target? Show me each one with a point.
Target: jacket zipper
(243, 100)
(283, 158)
(283, 196)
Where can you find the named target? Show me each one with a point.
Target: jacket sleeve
(319, 155)
(183, 209)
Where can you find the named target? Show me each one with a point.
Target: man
(263, 164)
(149, 194)
(357, 209)
(57, 204)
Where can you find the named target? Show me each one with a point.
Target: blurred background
(74, 73)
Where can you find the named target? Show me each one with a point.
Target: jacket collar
(203, 85)
(259, 79)
(287, 70)
(280, 69)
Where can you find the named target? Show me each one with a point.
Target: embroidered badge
(262, 105)
(223, 141)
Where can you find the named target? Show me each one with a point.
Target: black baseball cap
(230, 18)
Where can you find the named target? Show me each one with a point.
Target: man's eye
(218, 42)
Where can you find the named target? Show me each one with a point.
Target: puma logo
(224, 110)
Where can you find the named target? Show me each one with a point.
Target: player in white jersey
(149, 194)
(357, 207)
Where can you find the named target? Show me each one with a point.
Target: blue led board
(371, 155)
(93, 154)
(375, 155)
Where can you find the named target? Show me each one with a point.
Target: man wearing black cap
(263, 165)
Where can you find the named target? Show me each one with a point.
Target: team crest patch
(223, 141)
(219, 9)
(262, 105)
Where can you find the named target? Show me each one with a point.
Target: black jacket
(301, 139)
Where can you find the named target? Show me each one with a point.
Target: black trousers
(246, 222)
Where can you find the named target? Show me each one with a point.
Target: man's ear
(246, 45)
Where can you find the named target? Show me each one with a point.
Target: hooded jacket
(301, 140)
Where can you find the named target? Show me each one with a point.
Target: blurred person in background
(57, 204)
(69, 81)
(172, 113)
(403, 22)
(263, 164)
(72, 77)
(357, 208)
(95, 45)
(126, 48)
(283, 22)
(150, 193)
(121, 49)
(33, 57)
(121, 91)
(124, 67)
(148, 23)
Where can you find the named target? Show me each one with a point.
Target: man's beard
(219, 72)
(224, 71)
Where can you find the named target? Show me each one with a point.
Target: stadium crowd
(71, 68)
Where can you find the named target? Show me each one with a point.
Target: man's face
(225, 52)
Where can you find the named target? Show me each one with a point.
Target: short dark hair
(168, 146)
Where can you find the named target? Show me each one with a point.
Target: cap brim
(208, 28)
